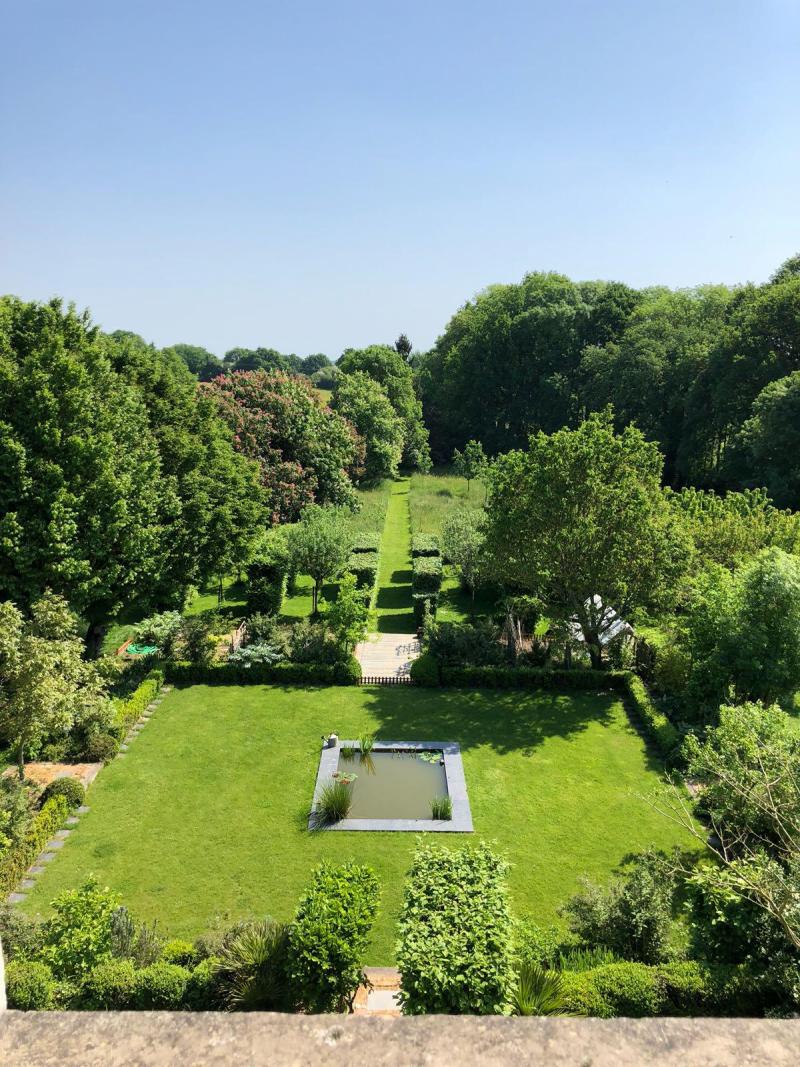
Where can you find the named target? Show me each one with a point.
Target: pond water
(394, 785)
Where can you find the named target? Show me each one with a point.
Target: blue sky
(313, 175)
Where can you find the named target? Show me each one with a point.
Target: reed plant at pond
(334, 802)
(441, 808)
(366, 743)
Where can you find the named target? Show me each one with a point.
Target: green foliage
(364, 567)
(471, 463)
(366, 542)
(160, 987)
(15, 810)
(29, 985)
(549, 506)
(338, 672)
(366, 406)
(454, 951)
(101, 748)
(424, 545)
(179, 951)
(535, 944)
(257, 653)
(366, 743)
(46, 685)
(252, 970)
(17, 858)
(69, 788)
(20, 936)
(329, 935)
(320, 545)
(425, 606)
(655, 722)
(267, 573)
(531, 678)
(129, 710)
(538, 992)
(426, 574)
(160, 630)
(627, 989)
(197, 639)
(441, 808)
(632, 916)
(456, 644)
(770, 440)
(463, 544)
(78, 936)
(203, 989)
(334, 802)
(110, 986)
(305, 451)
(425, 670)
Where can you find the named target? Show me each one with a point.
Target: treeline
(711, 374)
(205, 365)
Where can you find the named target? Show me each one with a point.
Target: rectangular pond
(394, 784)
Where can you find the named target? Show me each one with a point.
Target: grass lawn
(394, 612)
(204, 817)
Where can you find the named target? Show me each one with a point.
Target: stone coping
(461, 822)
(262, 1039)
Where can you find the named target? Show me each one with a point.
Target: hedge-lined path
(387, 655)
(394, 610)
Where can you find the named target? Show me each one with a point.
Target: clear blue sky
(312, 175)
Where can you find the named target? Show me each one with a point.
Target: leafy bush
(425, 670)
(16, 802)
(138, 942)
(441, 808)
(111, 986)
(465, 644)
(366, 542)
(69, 788)
(620, 989)
(311, 643)
(29, 985)
(197, 639)
(424, 545)
(184, 953)
(256, 654)
(101, 748)
(655, 722)
(20, 936)
(535, 944)
(329, 936)
(584, 958)
(531, 678)
(425, 606)
(426, 574)
(252, 968)
(266, 586)
(18, 857)
(159, 630)
(129, 710)
(334, 802)
(160, 987)
(203, 990)
(347, 672)
(264, 628)
(364, 567)
(78, 936)
(455, 950)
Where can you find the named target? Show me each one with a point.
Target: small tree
(347, 616)
(45, 683)
(462, 543)
(471, 463)
(320, 546)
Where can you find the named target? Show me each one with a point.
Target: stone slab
(27, 883)
(83, 809)
(16, 898)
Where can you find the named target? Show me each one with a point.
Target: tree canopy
(364, 403)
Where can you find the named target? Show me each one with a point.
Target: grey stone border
(461, 822)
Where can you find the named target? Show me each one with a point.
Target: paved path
(381, 999)
(387, 655)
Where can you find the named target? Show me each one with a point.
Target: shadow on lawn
(510, 721)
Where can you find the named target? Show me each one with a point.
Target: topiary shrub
(69, 788)
(328, 938)
(424, 545)
(364, 565)
(161, 987)
(111, 986)
(184, 953)
(101, 748)
(29, 985)
(455, 933)
(425, 606)
(347, 672)
(426, 574)
(425, 670)
(366, 542)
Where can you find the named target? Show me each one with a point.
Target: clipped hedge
(426, 574)
(29, 985)
(129, 711)
(654, 721)
(425, 670)
(161, 987)
(420, 601)
(424, 545)
(454, 950)
(346, 672)
(18, 857)
(364, 565)
(366, 542)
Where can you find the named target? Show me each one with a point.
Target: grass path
(394, 613)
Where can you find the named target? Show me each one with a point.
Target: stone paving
(380, 995)
(387, 655)
(85, 772)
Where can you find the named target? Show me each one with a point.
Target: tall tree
(389, 369)
(403, 346)
(364, 403)
(203, 364)
(319, 546)
(81, 500)
(580, 521)
(768, 445)
(471, 463)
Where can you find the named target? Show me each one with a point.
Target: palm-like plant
(252, 967)
(539, 992)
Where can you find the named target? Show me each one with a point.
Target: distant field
(434, 495)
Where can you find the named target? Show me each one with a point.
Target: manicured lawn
(394, 612)
(203, 819)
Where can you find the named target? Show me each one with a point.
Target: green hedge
(425, 670)
(419, 602)
(654, 721)
(266, 586)
(29, 985)
(347, 672)
(454, 950)
(18, 857)
(129, 711)
(426, 574)
(364, 565)
(366, 542)
(424, 545)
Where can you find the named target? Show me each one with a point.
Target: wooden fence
(388, 679)
(238, 636)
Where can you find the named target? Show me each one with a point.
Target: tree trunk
(595, 654)
(95, 633)
(315, 597)
(21, 760)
